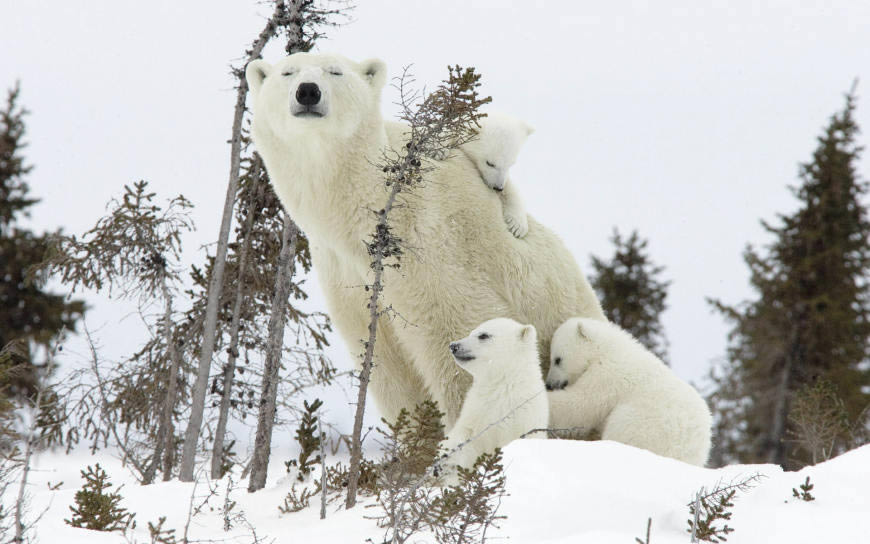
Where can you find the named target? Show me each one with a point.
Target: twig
(552, 432)
(490, 426)
(648, 526)
(743, 485)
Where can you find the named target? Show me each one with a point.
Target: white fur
(497, 146)
(463, 266)
(619, 388)
(507, 397)
(494, 151)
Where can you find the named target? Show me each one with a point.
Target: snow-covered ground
(559, 492)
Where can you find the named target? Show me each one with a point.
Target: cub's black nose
(308, 94)
(454, 347)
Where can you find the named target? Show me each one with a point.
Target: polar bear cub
(602, 379)
(494, 151)
(507, 397)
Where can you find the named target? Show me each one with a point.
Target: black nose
(454, 347)
(308, 94)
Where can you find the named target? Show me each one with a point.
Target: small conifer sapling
(97, 508)
(309, 438)
(804, 493)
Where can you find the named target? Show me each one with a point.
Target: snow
(559, 492)
(603, 492)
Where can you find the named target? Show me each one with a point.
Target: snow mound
(559, 492)
(604, 492)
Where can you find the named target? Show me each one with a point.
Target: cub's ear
(255, 73)
(528, 333)
(374, 71)
(580, 332)
(529, 130)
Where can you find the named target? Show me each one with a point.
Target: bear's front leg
(514, 211)
(573, 413)
(395, 383)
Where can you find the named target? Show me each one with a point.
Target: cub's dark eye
(490, 164)
(335, 72)
(483, 336)
(558, 361)
(289, 73)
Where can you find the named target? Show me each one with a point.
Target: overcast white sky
(684, 120)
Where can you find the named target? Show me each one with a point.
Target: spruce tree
(96, 508)
(631, 291)
(309, 438)
(809, 319)
(135, 251)
(28, 313)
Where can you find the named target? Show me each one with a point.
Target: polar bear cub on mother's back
(602, 379)
(493, 151)
(507, 397)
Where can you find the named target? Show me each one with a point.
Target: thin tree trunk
(164, 448)
(160, 441)
(233, 349)
(368, 358)
(322, 468)
(776, 448)
(171, 389)
(777, 429)
(215, 289)
(269, 392)
(28, 454)
(364, 378)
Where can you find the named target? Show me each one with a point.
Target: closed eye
(483, 336)
(335, 72)
(490, 164)
(289, 73)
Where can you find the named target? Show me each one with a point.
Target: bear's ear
(374, 71)
(580, 332)
(529, 130)
(528, 333)
(255, 73)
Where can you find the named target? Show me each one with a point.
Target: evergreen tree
(809, 320)
(28, 313)
(309, 438)
(96, 508)
(631, 292)
(135, 249)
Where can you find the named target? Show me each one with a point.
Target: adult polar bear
(317, 124)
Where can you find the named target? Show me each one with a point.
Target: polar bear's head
(495, 345)
(572, 350)
(314, 94)
(496, 147)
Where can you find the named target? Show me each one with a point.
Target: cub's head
(495, 345)
(311, 92)
(497, 146)
(571, 352)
